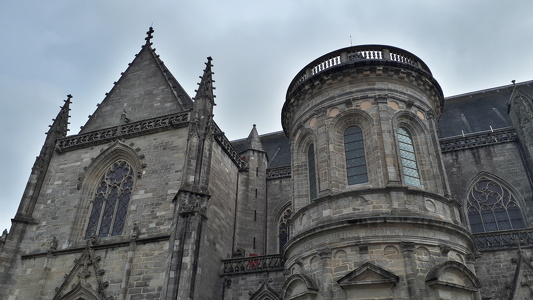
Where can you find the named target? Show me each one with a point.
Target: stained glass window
(408, 158)
(111, 199)
(312, 171)
(283, 230)
(492, 207)
(355, 156)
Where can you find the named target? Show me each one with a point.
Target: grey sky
(53, 48)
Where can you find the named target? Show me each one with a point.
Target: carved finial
(149, 33)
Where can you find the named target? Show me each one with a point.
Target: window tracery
(492, 207)
(312, 171)
(411, 175)
(355, 156)
(111, 200)
(283, 228)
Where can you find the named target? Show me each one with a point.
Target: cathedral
(378, 187)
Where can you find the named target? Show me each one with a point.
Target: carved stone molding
(279, 173)
(125, 131)
(478, 140)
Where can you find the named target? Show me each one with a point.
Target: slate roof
(478, 111)
(275, 144)
(466, 113)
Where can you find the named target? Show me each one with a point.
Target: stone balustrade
(503, 239)
(252, 264)
(354, 55)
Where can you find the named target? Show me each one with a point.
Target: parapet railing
(252, 264)
(504, 239)
(355, 54)
(478, 139)
(279, 172)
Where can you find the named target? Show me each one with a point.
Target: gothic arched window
(408, 157)
(110, 203)
(312, 171)
(283, 228)
(492, 207)
(355, 155)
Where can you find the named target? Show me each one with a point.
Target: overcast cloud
(54, 48)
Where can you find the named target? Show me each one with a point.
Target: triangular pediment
(367, 274)
(145, 90)
(265, 292)
(85, 278)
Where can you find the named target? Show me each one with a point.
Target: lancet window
(492, 207)
(411, 175)
(355, 156)
(312, 172)
(111, 199)
(283, 228)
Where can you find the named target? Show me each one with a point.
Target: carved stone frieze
(126, 131)
(478, 140)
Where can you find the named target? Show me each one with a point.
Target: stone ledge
(101, 246)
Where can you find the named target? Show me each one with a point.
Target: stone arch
(508, 199)
(338, 127)
(302, 144)
(283, 226)
(422, 144)
(452, 280)
(298, 285)
(92, 176)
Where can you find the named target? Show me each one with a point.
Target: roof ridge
(489, 89)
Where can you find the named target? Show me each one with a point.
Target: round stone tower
(373, 215)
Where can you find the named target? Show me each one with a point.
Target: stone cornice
(479, 139)
(123, 131)
(101, 246)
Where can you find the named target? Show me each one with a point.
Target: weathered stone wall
(496, 271)
(279, 196)
(217, 232)
(63, 207)
(251, 206)
(502, 161)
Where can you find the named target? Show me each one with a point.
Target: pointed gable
(145, 90)
(84, 281)
(253, 142)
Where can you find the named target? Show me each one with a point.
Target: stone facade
(378, 188)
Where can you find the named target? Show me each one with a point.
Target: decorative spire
(253, 142)
(60, 124)
(205, 87)
(149, 35)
